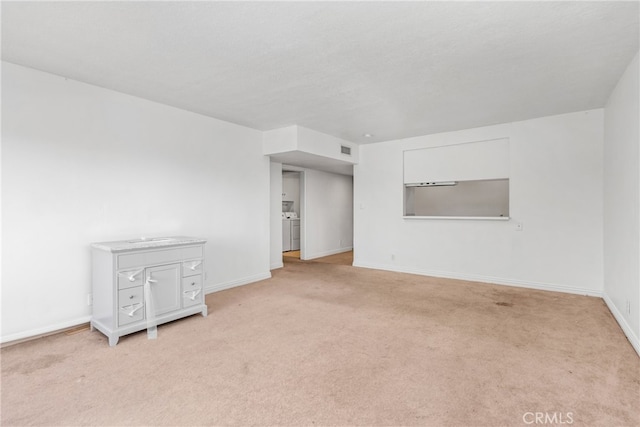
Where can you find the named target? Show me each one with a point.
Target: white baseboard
(276, 265)
(626, 328)
(238, 282)
(327, 253)
(485, 279)
(47, 330)
(55, 328)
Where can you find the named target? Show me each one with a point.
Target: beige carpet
(327, 344)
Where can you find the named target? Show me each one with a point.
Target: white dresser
(140, 283)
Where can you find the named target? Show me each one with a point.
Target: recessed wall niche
(469, 180)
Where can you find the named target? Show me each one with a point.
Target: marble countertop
(147, 243)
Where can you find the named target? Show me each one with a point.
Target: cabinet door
(286, 235)
(295, 235)
(295, 230)
(165, 287)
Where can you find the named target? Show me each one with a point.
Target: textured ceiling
(392, 69)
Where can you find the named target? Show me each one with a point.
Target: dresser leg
(113, 340)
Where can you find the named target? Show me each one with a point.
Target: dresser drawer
(130, 278)
(191, 268)
(192, 293)
(130, 305)
(148, 258)
(157, 257)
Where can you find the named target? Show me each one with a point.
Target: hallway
(343, 258)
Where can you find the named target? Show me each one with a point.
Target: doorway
(324, 208)
(291, 213)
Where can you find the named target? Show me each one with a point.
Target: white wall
(275, 220)
(321, 144)
(298, 138)
(327, 225)
(82, 164)
(280, 140)
(555, 193)
(622, 203)
(306, 148)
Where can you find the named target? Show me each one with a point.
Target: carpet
(330, 344)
